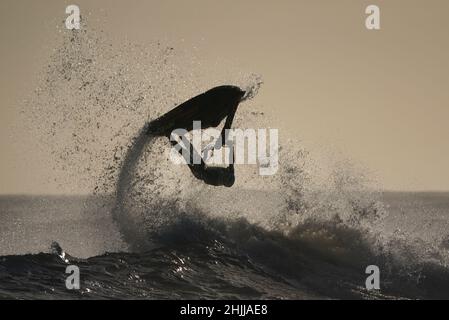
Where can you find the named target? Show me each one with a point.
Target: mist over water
(308, 231)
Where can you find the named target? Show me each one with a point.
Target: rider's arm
(227, 125)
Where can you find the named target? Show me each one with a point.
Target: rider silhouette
(210, 108)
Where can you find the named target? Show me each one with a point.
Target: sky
(379, 96)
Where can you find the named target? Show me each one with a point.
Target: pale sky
(381, 97)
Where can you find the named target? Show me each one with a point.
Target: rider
(210, 108)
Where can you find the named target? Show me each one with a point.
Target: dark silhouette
(210, 108)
